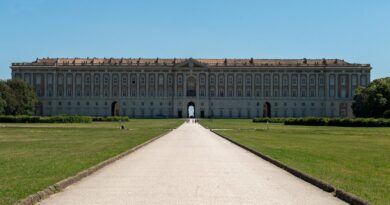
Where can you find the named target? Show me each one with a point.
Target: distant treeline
(58, 119)
(321, 121)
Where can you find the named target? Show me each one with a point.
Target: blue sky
(354, 30)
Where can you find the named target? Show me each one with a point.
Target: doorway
(115, 109)
(202, 114)
(267, 109)
(191, 110)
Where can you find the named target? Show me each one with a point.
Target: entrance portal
(202, 114)
(191, 110)
(115, 109)
(267, 109)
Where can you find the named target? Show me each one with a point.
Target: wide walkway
(191, 165)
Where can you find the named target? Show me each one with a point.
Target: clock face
(191, 64)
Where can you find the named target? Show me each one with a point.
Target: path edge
(343, 195)
(61, 185)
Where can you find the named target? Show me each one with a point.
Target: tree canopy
(374, 100)
(17, 98)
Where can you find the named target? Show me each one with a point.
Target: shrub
(111, 119)
(386, 114)
(271, 120)
(19, 119)
(52, 119)
(66, 119)
(345, 122)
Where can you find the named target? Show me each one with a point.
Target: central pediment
(191, 63)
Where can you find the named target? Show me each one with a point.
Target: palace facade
(216, 88)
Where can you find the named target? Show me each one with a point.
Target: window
(248, 93)
(96, 80)
(160, 80)
(202, 93)
(312, 93)
(294, 80)
(294, 93)
(267, 80)
(221, 93)
(230, 80)
(257, 93)
(230, 93)
(248, 80)
(303, 93)
(151, 79)
(321, 81)
(239, 93)
(312, 81)
(276, 93)
(239, 80)
(331, 80)
(285, 93)
(179, 80)
(212, 93)
(257, 80)
(276, 80)
(285, 81)
(124, 80)
(221, 80)
(303, 81)
(115, 80)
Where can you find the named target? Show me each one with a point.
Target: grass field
(34, 156)
(356, 160)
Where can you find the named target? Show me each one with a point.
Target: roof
(176, 61)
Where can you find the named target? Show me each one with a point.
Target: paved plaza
(191, 165)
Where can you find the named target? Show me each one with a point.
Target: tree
(3, 104)
(19, 97)
(374, 100)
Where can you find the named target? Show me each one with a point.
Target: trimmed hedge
(19, 119)
(111, 119)
(51, 119)
(344, 122)
(270, 120)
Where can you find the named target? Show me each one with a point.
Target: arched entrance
(267, 109)
(191, 110)
(115, 108)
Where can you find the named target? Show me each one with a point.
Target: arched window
(191, 86)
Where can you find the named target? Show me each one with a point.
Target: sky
(357, 31)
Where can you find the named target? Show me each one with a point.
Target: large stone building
(221, 88)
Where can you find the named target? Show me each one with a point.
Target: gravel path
(191, 165)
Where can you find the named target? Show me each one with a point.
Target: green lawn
(34, 156)
(356, 160)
